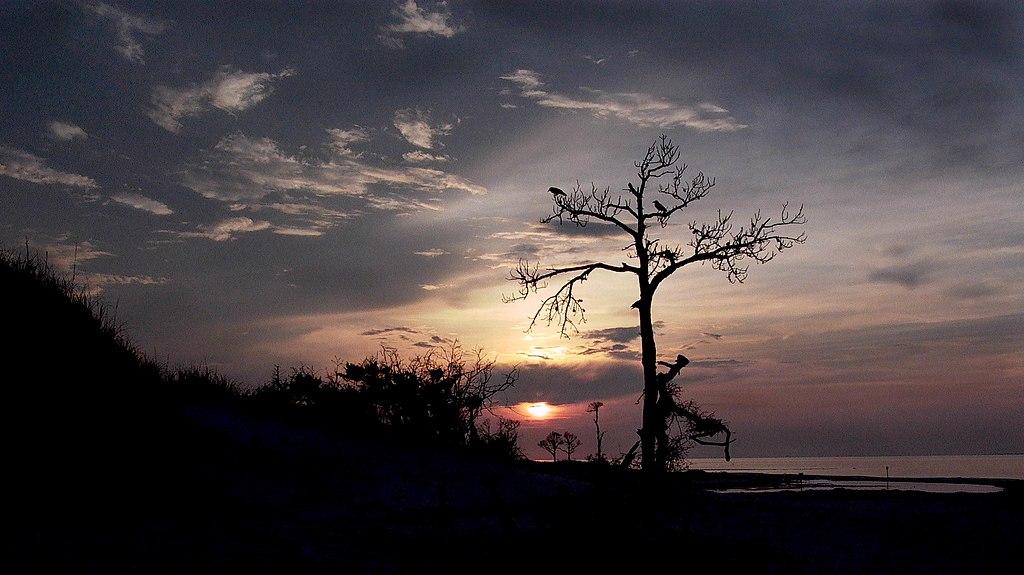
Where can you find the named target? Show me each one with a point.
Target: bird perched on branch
(660, 207)
(556, 192)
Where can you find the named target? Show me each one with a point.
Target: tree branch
(760, 242)
(578, 207)
(562, 306)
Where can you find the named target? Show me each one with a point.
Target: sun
(539, 410)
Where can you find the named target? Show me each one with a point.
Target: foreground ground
(246, 494)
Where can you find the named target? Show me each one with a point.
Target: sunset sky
(260, 184)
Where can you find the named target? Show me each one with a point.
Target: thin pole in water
(887, 477)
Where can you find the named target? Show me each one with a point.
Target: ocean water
(967, 466)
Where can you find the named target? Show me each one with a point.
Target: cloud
(143, 203)
(593, 229)
(415, 127)
(128, 26)
(342, 140)
(434, 341)
(528, 80)
(907, 274)
(227, 90)
(972, 290)
(95, 283)
(411, 19)
(638, 108)
(717, 363)
(64, 131)
(24, 166)
(539, 242)
(389, 330)
(421, 156)
(73, 256)
(615, 334)
(227, 229)
(432, 253)
(256, 174)
(65, 256)
(300, 232)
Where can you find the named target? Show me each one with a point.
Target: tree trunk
(651, 416)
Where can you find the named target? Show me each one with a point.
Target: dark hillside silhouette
(74, 384)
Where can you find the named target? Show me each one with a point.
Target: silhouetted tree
(552, 443)
(719, 243)
(439, 395)
(501, 441)
(570, 443)
(595, 408)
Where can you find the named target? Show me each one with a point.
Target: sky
(273, 183)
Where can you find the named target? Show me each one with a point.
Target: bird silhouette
(660, 206)
(556, 192)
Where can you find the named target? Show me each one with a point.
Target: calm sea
(974, 466)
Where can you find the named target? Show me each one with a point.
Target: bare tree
(638, 212)
(570, 443)
(595, 408)
(552, 443)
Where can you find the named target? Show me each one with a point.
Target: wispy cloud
(432, 253)
(415, 126)
(410, 18)
(419, 156)
(64, 131)
(635, 107)
(227, 90)
(540, 242)
(128, 27)
(65, 255)
(717, 363)
(343, 139)
(256, 174)
(227, 229)
(96, 283)
(22, 165)
(142, 203)
(388, 330)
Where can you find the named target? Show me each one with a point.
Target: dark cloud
(625, 354)
(909, 275)
(717, 363)
(972, 290)
(615, 334)
(562, 384)
(593, 229)
(388, 330)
